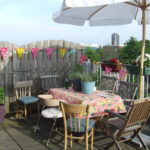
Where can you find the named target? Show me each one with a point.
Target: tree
(132, 50)
(94, 55)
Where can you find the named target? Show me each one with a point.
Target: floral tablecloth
(99, 100)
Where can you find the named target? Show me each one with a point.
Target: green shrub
(2, 95)
(88, 77)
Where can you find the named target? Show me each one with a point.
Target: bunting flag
(122, 74)
(71, 52)
(34, 52)
(3, 52)
(49, 52)
(94, 62)
(62, 52)
(82, 58)
(20, 52)
(107, 70)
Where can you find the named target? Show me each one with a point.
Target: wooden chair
(128, 127)
(74, 123)
(51, 81)
(50, 110)
(127, 91)
(23, 95)
(108, 83)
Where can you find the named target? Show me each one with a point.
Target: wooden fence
(12, 69)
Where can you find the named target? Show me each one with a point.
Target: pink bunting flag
(122, 73)
(49, 52)
(34, 52)
(107, 70)
(3, 52)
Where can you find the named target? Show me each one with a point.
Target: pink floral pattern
(97, 99)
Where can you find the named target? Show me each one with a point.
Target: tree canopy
(94, 55)
(132, 49)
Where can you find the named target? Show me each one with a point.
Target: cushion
(82, 124)
(51, 113)
(28, 99)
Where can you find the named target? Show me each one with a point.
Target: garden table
(99, 100)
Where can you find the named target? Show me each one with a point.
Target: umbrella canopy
(106, 12)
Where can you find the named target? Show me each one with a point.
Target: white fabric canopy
(77, 13)
(107, 12)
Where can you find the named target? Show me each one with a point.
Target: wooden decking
(18, 135)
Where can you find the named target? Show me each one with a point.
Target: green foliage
(132, 50)
(76, 72)
(88, 77)
(94, 55)
(77, 68)
(2, 95)
(75, 76)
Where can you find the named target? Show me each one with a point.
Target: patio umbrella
(107, 12)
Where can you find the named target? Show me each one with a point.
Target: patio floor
(17, 134)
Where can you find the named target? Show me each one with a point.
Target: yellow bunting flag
(62, 52)
(94, 62)
(20, 52)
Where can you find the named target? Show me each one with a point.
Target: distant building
(115, 39)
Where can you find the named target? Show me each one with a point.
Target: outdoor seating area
(81, 94)
(64, 115)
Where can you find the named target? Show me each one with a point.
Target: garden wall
(12, 69)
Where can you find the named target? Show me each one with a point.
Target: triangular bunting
(49, 52)
(3, 52)
(71, 52)
(34, 52)
(107, 70)
(62, 52)
(20, 52)
(82, 58)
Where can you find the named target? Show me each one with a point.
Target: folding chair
(50, 110)
(128, 127)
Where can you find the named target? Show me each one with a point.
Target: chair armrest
(128, 101)
(111, 113)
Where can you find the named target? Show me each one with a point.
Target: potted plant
(113, 63)
(88, 82)
(2, 106)
(75, 76)
(134, 68)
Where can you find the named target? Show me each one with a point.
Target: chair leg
(65, 147)
(143, 144)
(51, 131)
(25, 111)
(92, 135)
(86, 140)
(71, 140)
(37, 124)
(17, 108)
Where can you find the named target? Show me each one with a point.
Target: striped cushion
(28, 99)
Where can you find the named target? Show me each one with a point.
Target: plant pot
(77, 85)
(133, 69)
(115, 67)
(2, 113)
(87, 87)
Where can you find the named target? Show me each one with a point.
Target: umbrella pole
(142, 52)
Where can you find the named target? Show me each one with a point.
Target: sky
(25, 21)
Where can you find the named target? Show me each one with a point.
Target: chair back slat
(23, 88)
(127, 90)
(48, 101)
(139, 113)
(108, 83)
(73, 112)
